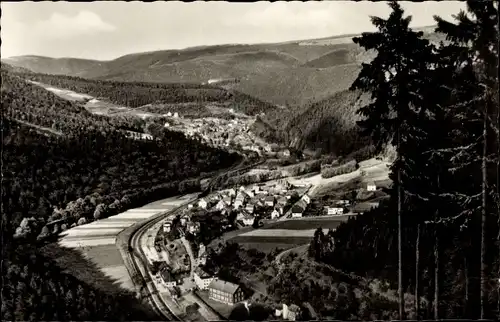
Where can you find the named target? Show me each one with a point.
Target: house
(275, 214)
(231, 192)
(216, 197)
(343, 202)
(226, 211)
(306, 198)
(203, 204)
(363, 207)
(184, 220)
(202, 279)
(248, 219)
(242, 188)
(370, 186)
(169, 114)
(225, 292)
(167, 277)
(221, 205)
(193, 227)
(256, 189)
(387, 183)
(167, 226)
(250, 208)
(302, 204)
(282, 201)
(176, 115)
(269, 201)
(202, 259)
(228, 200)
(250, 194)
(285, 153)
(190, 206)
(334, 211)
(240, 200)
(297, 211)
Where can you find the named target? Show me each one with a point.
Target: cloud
(62, 26)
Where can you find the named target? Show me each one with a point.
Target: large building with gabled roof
(225, 292)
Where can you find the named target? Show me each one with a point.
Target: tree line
(137, 94)
(438, 235)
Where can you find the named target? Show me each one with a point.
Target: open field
(369, 170)
(306, 223)
(272, 242)
(95, 245)
(279, 233)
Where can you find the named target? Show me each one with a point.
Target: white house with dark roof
(248, 218)
(269, 201)
(220, 205)
(334, 211)
(275, 214)
(250, 208)
(202, 279)
(225, 292)
(371, 186)
(167, 277)
(297, 211)
(306, 198)
(240, 200)
(203, 204)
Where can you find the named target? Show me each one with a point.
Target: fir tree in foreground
(394, 78)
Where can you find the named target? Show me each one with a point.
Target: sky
(108, 29)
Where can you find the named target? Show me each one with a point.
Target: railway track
(137, 252)
(135, 256)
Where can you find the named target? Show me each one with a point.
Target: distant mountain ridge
(287, 73)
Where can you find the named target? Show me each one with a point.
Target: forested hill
(63, 166)
(293, 73)
(328, 125)
(136, 94)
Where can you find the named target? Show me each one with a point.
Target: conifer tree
(395, 78)
(476, 38)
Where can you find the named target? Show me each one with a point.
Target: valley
(348, 177)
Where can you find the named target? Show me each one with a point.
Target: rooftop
(201, 272)
(223, 286)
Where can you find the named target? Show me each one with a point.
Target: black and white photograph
(250, 161)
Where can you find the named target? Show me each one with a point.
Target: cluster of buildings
(250, 202)
(222, 133)
(367, 198)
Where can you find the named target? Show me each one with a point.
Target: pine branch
(452, 150)
(448, 220)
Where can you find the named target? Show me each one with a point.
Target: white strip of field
(282, 233)
(138, 214)
(92, 231)
(107, 224)
(103, 232)
(80, 243)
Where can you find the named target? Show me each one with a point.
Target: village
(223, 133)
(177, 248)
